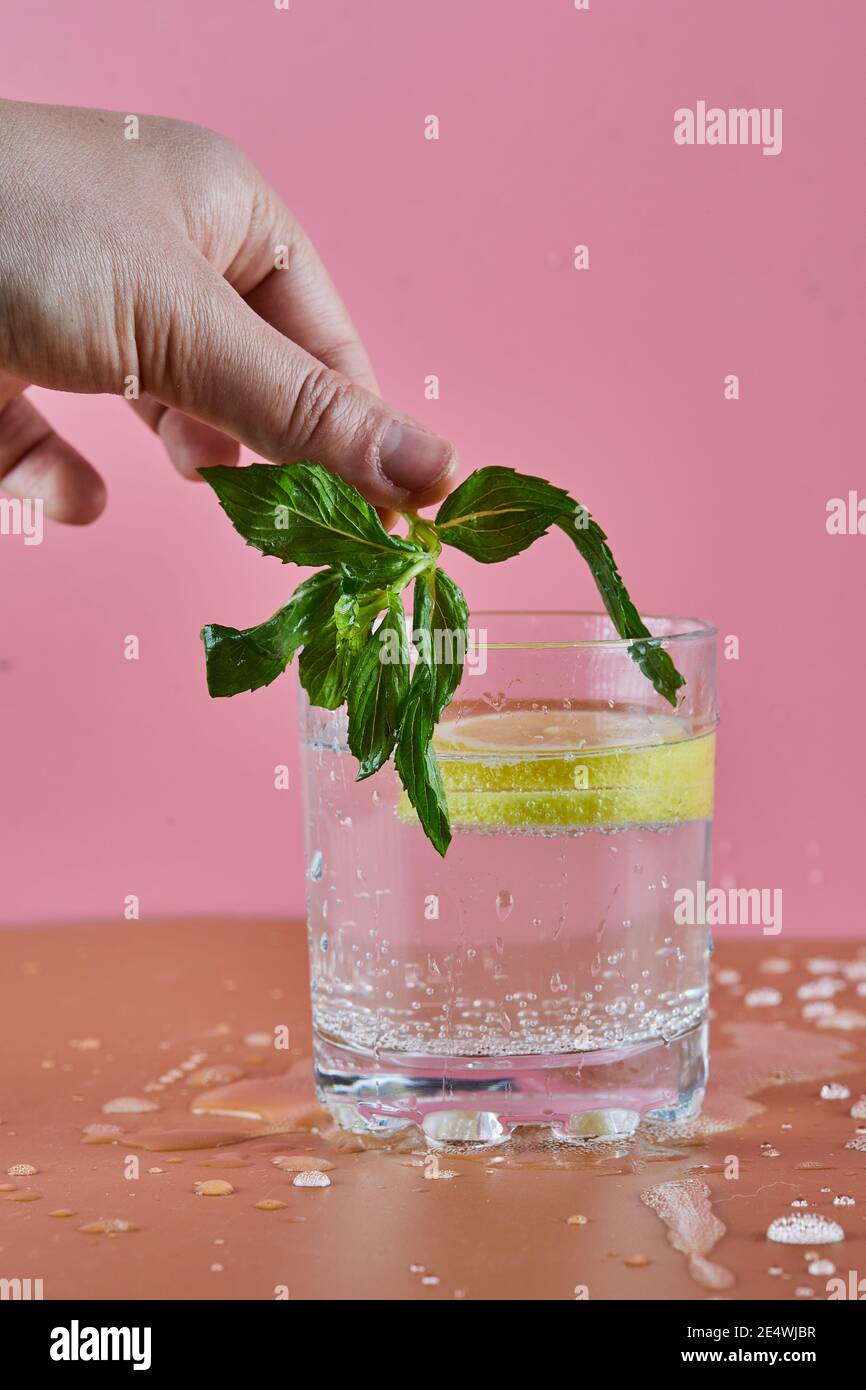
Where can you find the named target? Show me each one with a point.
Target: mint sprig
(348, 620)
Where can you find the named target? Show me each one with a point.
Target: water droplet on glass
(504, 904)
(317, 863)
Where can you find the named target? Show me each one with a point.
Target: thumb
(220, 362)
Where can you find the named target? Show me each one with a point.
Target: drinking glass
(541, 972)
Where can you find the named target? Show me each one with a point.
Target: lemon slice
(531, 769)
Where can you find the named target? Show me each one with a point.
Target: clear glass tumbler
(540, 973)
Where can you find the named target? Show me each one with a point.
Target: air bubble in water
(323, 941)
(317, 863)
(504, 904)
(805, 1228)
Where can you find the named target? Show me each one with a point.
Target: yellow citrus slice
(533, 769)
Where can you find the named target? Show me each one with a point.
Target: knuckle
(322, 409)
(196, 142)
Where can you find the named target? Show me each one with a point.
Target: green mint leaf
(440, 622)
(416, 761)
(324, 667)
(347, 620)
(247, 659)
(655, 663)
(377, 692)
(331, 650)
(498, 512)
(302, 513)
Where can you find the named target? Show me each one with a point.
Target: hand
(154, 260)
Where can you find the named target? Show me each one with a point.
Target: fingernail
(412, 458)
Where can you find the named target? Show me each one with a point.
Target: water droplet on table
(129, 1105)
(834, 1090)
(114, 1227)
(312, 1177)
(763, 998)
(806, 1228)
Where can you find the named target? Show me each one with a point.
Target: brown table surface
(156, 1013)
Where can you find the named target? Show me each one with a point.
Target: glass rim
(693, 629)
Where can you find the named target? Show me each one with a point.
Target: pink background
(122, 777)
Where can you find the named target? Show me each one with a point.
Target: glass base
(481, 1100)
